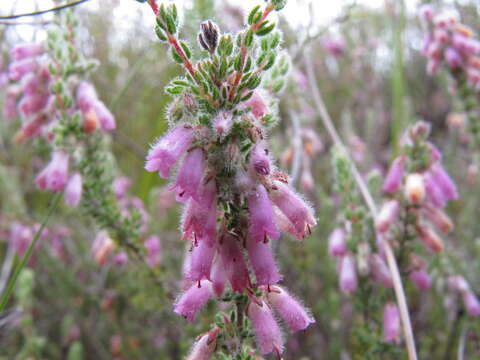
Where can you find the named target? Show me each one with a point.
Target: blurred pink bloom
(267, 332)
(102, 247)
(337, 245)
(31, 104)
(54, 176)
(391, 324)
(415, 188)
(393, 180)
(348, 274)
(453, 58)
(387, 216)
(205, 345)
(73, 191)
(471, 303)
(153, 247)
(86, 96)
(10, 106)
(291, 311)
(18, 69)
(105, 117)
(120, 259)
(20, 237)
(334, 46)
(259, 159)
(222, 123)
(120, 186)
(421, 279)
(444, 182)
(380, 271)
(257, 104)
(168, 149)
(24, 51)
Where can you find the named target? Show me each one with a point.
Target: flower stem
(392, 264)
(11, 285)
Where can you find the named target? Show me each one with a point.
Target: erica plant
(236, 202)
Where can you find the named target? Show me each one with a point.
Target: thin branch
(33, 23)
(35, 13)
(462, 342)
(392, 264)
(7, 266)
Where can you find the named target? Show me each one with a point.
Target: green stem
(11, 285)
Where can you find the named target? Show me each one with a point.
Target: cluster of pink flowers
(460, 286)
(424, 190)
(451, 42)
(29, 95)
(219, 251)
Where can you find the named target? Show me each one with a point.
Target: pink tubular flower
(190, 175)
(426, 12)
(293, 207)
(218, 276)
(73, 191)
(18, 69)
(31, 104)
(257, 104)
(262, 262)
(391, 324)
(421, 279)
(54, 176)
(152, 244)
(168, 149)
(291, 311)
(337, 246)
(102, 247)
(380, 271)
(444, 182)
(262, 224)
(105, 117)
(120, 259)
(222, 123)
(438, 218)
(267, 332)
(453, 58)
(200, 217)
(205, 345)
(348, 274)
(259, 160)
(429, 238)
(201, 261)
(24, 51)
(471, 303)
(120, 186)
(395, 174)
(387, 215)
(20, 237)
(458, 283)
(86, 96)
(233, 263)
(193, 299)
(434, 193)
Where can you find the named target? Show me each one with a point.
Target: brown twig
(35, 13)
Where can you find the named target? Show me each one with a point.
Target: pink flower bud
(233, 262)
(429, 238)
(86, 96)
(348, 274)
(259, 159)
(440, 35)
(31, 104)
(168, 149)
(426, 12)
(120, 259)
(415, 188)
(421, 279)
(444, 182)
(192, 300)
(262, 223)
(471, 303)
(190, 175)
(200, 218)
(105, 117)
(458, 283)
(153, 247)
(257, 104)
(20, 237)
(293, 207)
(391, 324)
(218, 276)
(337, 246)
(380, 271)
(204, 346)
(267, 332)
(438, 218)
(453, 58)
(334, 47)
(291, 311)
(120, 186)
(24, 51)
(262, 262)
(201, 261)
(395, 174)
(73, 191)
(387, 215)
(434, 193)
(102, 247)
(18, 69)
(222, 123)
(54, 176)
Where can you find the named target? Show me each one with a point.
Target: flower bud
(421, 279)
(201, 261)
(120, 259)
(291, 311)
(391, 324)
(104, 116)
(438, 218)
(204, 346)
(208, 36)
(102, 247)
(257, 104)
(387, 215)
(262, 262)
(190, 175)
(471, 303)
(429, 238)
(259, 159)
(415, 188)
(395, 174)
(262, 225)
(267, 332)
(453, 58)
(426, 12)
(218, 276)
(348, 274)
(90, 121)
(222, 123)
(54, 176)
(458, 283)
(73, 190)
(153, 247)
(380, 271)
(337, 245)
